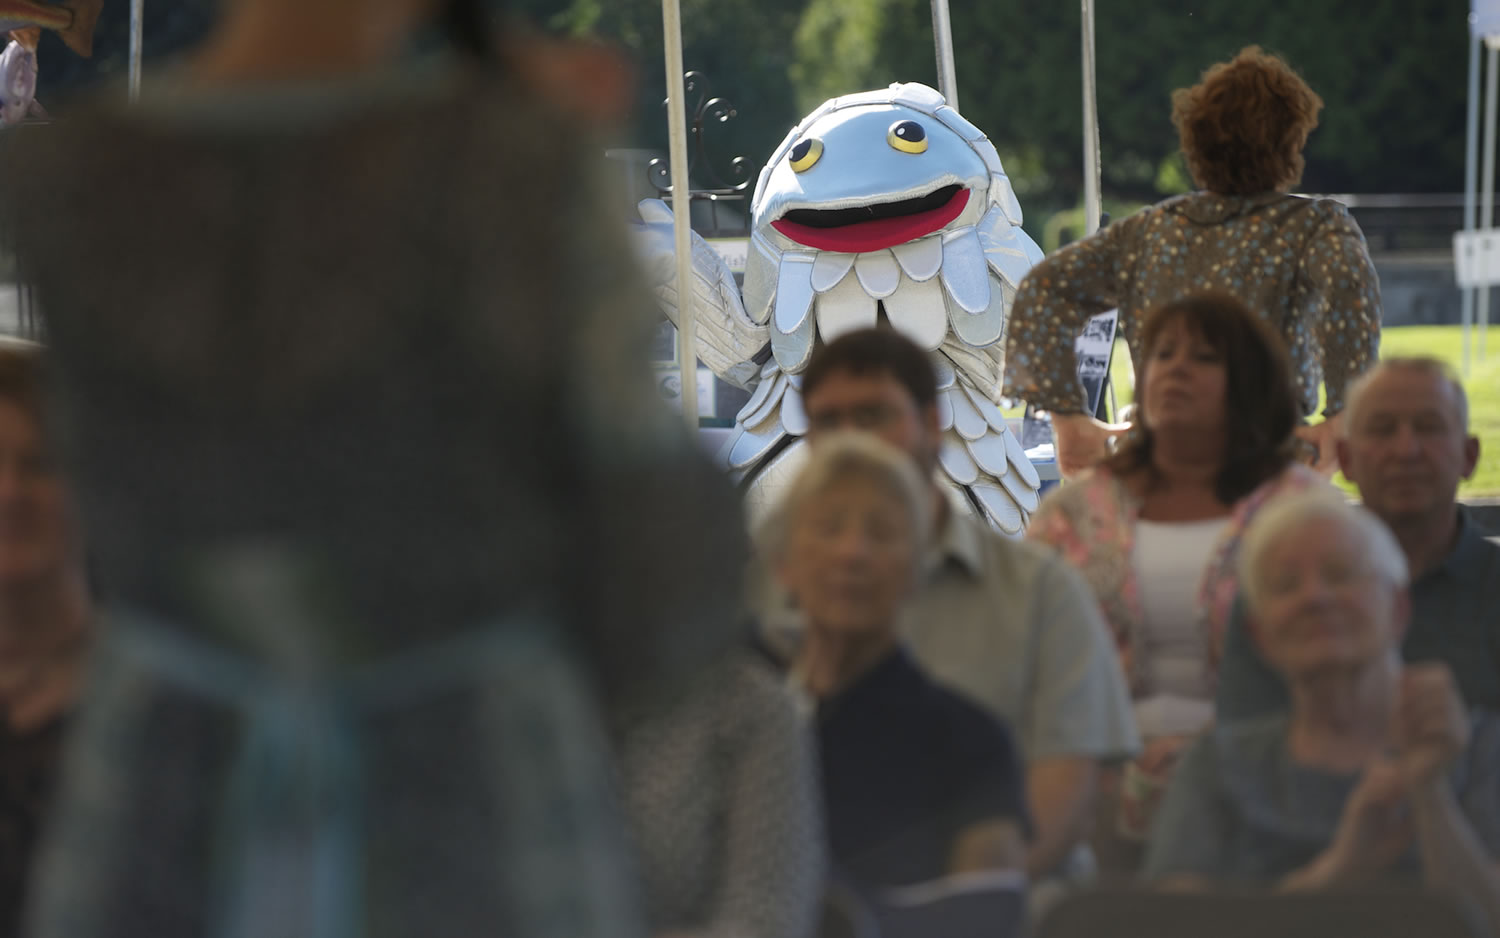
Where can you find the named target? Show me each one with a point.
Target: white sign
(1476, 258)
(735, 251)
(1093, 348)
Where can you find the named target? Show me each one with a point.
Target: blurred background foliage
(1393, 74)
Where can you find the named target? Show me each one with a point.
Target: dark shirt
(1454, 619)
(907, 765)
(28, 772)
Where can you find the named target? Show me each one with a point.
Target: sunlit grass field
(1445, 342)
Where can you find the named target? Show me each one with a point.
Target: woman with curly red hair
(1301, 263)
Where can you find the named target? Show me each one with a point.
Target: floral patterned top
(1091, 522)
(1302, 263)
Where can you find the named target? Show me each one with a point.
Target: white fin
(917, 311)
(845, 308)
(761, 272)
(762, 391)
(752, 445)
(793, 413)
(1025, 495)
(985, 328)
(1003, 249)
(1004, 196)
(956, 461)
(966, 418)
(794, 292)
(959, 124)
(945, 409)
(767, 406)
(879, 273)
(944, 369)
(991, 454)
(920, 259)
(1002, 510)
(1022, 465)
(793, 351)
(988, 409)
(829, 268)
(964, 272)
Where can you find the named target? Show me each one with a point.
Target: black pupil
(800, 150)
(910, 131)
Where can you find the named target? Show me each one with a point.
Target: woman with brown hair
(376, 558)
(1155, 529)
(1299, 263)
(45, 621)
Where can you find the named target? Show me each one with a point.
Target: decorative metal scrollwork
(706, 111)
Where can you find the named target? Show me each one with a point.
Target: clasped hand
(1430, 730)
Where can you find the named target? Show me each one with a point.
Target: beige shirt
(1009, 625)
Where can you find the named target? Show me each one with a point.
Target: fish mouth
(873, 227)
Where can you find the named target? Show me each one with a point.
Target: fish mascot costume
(880, 206)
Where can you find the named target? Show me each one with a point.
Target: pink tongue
(877, 234)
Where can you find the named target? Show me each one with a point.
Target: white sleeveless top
(1169, 560)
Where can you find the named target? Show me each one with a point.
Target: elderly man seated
(1407, 446)
(1375, 769)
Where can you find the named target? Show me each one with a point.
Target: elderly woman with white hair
(918, 783)
(1376, 770)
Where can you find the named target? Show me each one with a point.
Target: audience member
(378, 485)
(45, 617)
(1374, 770)
(1301, 263)
(720, 790)
(918, 782)
(1406, 446)
(1155, 529)
(1006, 623)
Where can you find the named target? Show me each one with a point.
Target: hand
(1161, 754)
(1082, 442)
(1324, 436)
(1375, 828)
(1432, 728)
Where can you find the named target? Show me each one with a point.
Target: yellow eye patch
(805, 154)
(908, 137)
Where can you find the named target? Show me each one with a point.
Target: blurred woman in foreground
(45, 620)
(379, 486)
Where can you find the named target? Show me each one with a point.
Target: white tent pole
(1471, 178)
(682, 209)
(1092, 204)
(137, 33)
(942, 37)
(1487, 180)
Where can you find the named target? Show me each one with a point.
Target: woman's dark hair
(1260, 400)
(469, 26)
(1243, 127)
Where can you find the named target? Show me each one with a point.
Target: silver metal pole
(1487, 179)
(1092, 200)
(137, 32)
(942, 37)
(682, 210)
(1471, 176)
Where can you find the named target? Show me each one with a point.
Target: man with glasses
(1004, 622)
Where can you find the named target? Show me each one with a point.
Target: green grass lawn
(1445, 342)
